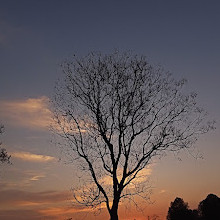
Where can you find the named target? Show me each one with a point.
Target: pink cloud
(31, 113)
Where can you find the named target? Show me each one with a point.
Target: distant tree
(209, 208)
(179, 210)
(4, 157)
(116, 113)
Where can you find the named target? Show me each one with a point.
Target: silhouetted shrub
(209, 208)
(179, 210)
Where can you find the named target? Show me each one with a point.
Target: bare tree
(116, 113)
(4, 157)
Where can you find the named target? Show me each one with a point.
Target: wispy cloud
(32, 157)
(162, 191)
(49, 204)
(35, 178)
(25, 198)
(141, 177)
(23, 214)
(60, 210)
(21, 179)
(31, 113)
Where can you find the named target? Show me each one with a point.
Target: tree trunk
(114, 210)
(114, 213)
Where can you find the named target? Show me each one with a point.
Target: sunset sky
(37, 35)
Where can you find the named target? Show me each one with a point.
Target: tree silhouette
(116, 113)
(4, 157)
(209, 208)
(179, 210)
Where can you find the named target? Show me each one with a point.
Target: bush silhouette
(209, 208)
(179, 210)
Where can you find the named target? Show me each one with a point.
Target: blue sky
(36, 36)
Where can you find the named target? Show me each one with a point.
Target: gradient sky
(37, 35)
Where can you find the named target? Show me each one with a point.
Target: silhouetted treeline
(208, 209)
